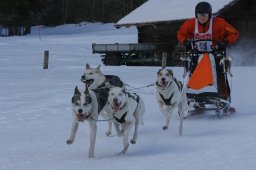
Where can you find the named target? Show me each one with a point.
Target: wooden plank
(46, 59)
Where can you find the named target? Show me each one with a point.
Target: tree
(19, 15)
(16, 16)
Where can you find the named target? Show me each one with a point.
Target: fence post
(164, 59)
(46, 59)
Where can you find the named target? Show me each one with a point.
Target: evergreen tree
(19, 15)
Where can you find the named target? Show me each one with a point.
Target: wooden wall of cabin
(158, 33)
(242, 16)
(164, 36)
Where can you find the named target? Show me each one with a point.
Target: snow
(167, 10)
(35, 117)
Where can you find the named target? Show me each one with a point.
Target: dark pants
(222, 81)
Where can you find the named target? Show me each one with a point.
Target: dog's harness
(105, 85)
(122, 119)
(167, 101)
(179, 84)
(137, 99)
(111, 80)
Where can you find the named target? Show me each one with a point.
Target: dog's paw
(91, 157)
(108, 133)
(69, 141)
(180, 130)
(124, 150)
(120, 153)
(165, 127)
(133, 141)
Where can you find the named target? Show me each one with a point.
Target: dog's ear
(170, 71)
(87, 95)
(73, 99)
(77, 92)
(87, 66)
(158, 72)
(98, 67)
(123, 90)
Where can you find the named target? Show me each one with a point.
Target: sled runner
(207, 87)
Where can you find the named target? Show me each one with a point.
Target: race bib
(204, 46)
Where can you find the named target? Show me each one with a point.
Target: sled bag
(202, 75)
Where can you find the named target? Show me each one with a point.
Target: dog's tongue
(80, 117)
(88, 82)
(163, 84)
(116, 107)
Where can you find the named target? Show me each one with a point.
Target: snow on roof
(167, 10)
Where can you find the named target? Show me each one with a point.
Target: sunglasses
(202, 15)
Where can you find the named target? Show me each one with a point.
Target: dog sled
(203, 80)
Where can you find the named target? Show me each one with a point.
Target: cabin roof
(154, 11)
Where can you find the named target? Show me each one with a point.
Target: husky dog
(170, 95)
(127, 110)
(84, 107)
(96, 80)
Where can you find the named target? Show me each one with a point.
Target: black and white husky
(126, 110)
(94, 78)
(97, 81)
(85, 106)
(170, 95)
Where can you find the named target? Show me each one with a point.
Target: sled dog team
(106, 95)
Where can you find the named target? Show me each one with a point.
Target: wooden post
(164, 59)
(46, 59)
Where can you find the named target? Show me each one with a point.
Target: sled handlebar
(194, 52)
(214, 48)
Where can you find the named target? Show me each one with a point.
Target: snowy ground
(35, 116)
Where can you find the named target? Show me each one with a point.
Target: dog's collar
(101, 86)
(123, 106)
(87, 116)
(105, 84)
(167, 101)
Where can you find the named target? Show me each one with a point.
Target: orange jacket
(220, 30)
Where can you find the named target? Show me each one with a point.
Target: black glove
(222, 45)
(187, 45)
